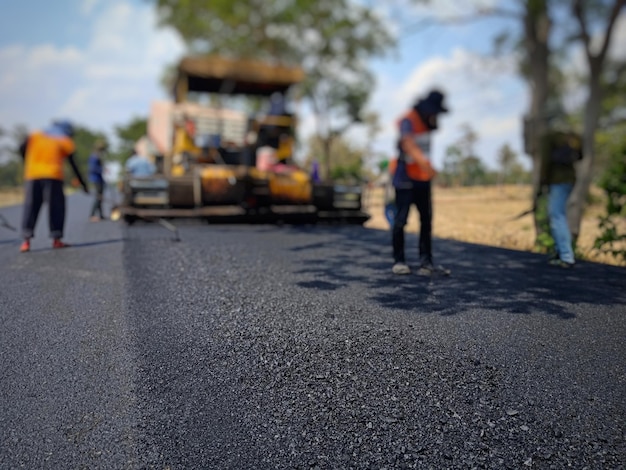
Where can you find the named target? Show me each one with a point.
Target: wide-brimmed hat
(433, 103)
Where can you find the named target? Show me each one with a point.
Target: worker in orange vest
(412, 174)
(44, 153)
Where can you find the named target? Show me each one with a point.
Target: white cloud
(495, 126)
(88, 6)
(41, 57)
(110, 78)
(443, 9)
(482, 92)
(618, 48)
(119, 28)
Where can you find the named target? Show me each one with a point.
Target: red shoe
(57, 243)
(25, 246)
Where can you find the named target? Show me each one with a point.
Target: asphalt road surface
(276, 347)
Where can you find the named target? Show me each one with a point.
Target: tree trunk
(584, 170)
(537, 31)
(593, 107)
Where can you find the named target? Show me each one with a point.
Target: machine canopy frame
(215, 74)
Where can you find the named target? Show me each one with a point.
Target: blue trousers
(36, 192)
(557, 211)
(420, 195)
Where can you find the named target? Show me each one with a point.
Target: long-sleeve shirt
(44, 156)
(95, 168)
(554, 172)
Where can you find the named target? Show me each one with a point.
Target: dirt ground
(475, 215)
(483, 215)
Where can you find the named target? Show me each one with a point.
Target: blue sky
(99, 63)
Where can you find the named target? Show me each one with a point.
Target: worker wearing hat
(96, 178)
(44, 153)
(412, 175)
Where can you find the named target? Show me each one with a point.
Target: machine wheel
(129, 219)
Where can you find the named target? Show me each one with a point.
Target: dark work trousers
(36, 192)
(96, 208)
(420, 195)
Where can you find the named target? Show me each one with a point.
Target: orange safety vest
(413, 170)
(45, 155)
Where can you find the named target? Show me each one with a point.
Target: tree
(84, 140)
(461, 164)
(450, 175)
(473, 171)
(511, 171)
(612, 239)
(11, 168)
(538, 25)
(535, 67)
(470, 168)
(348, 162)
(128, 135)
(610, 164)
(593, 19)
(506, 159)
(602, 13)
(331, 39)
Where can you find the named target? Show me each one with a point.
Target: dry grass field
(483, 215)
(476, 215)
(10, 197)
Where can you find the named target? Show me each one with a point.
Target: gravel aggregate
(279, 332)
(286, 347)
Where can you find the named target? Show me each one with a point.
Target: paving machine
(218, 161)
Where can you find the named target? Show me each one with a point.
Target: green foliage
(610, 163)
(127, 136)
(613, 182)
(348, 159)
(451, 165)
(84, 140)
(11, 174)
(511, 171)
(11, 167)
(473, 171)
(544, 243)
(331, 40)
(462, 167)
(311, 33)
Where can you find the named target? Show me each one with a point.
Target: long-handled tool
(522, 214)
(5, 223)
(169, 226)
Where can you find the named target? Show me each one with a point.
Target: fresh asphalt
(273, 347)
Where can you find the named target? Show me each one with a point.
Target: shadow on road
(482, 277)
(17, 241)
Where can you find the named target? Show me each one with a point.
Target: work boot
(57, 243)
(25, 246)
(401, 268)
(559, 263)
(428, 270)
